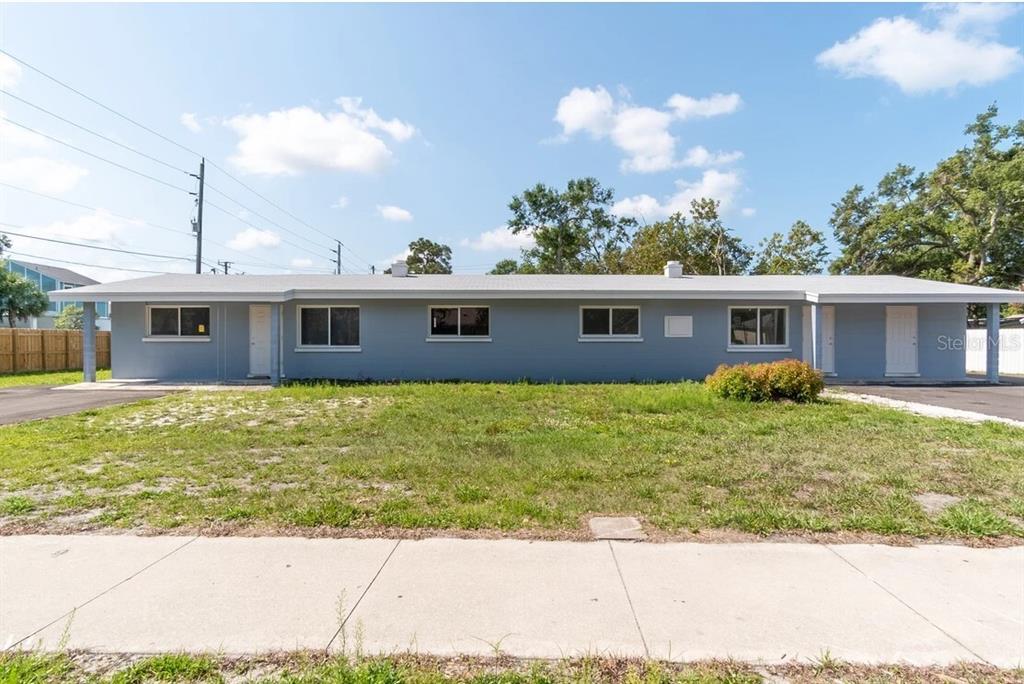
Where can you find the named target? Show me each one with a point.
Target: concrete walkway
(759, 602)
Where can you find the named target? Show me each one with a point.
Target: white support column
(275, 344)
(89, 341)
(992, 343)
(817, 339)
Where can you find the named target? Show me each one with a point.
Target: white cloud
(99, 226)
(642, 133)
(340, 203)
(10, 72)
(586, 109)
(189, 121)
(919, 59)
(747, 212)
(499, 239)
(17, 137)
(700, 157)
(300, 262)
(389, 212)
(49, 176)
(979, 17)
(291, 141)
(252, 238)
(686, 107)
(713, 184)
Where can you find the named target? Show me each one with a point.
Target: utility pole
(197, 225)
(337, 258)
(226, 265)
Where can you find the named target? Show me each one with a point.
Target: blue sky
(426, 120)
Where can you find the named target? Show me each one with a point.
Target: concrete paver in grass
(529, 599)
(232, 595)
(767, 602)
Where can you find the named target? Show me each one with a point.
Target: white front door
(259, 340)
(828, 339)
(828, 334)
(901, 340)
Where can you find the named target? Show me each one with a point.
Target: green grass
(507, 457)
(47, 378)
(314, 668)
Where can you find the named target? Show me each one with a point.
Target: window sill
(328, 349)
(464, 338)
(176, 338)
(762, 349)
(902, 375)
(610, 338)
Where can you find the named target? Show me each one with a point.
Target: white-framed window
(608, 322)
(177, 322)
(333, 327)
(758, 327)
(462, 322)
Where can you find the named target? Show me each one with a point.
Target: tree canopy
(962, 222)
(70, 318)
(20, 298)
(427, 256)
(574, 230)
(798, 252)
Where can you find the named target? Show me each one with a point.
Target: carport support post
(275, 344)
(89, 341)
(817, 344)
(992, 344)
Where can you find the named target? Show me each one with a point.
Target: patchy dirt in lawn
(933, 503)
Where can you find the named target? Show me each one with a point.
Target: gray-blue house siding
(843, 325)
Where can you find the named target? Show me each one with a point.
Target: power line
(96, 156)
(80, 263)
(92, 132)
(79, 244)
(177, 144)
(97, 209)
(253, 225)
(259, 215)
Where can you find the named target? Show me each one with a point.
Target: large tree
(961, 222)
(505, 267)
(799, 252)
(19, 298)
(701, 243)
(427, 256)
(574, 230)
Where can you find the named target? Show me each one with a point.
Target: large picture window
(454, 322)
(758, 326)
(609, 322)
(328, 326)
(179, 321)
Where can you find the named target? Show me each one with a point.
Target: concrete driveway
(19, 404)
(1002, 401)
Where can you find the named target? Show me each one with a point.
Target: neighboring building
(540, 327)
(52, 279)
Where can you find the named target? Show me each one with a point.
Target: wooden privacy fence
(45, 350)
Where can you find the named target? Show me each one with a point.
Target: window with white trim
(328, 326)
(178, 321)
(758, 326)
(609, 321)
(460, 321)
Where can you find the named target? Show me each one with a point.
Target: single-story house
(540, 327)
(51, 279)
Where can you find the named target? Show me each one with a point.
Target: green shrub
(786, 379)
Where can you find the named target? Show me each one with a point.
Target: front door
(259, 340)
(901, 340)
(828, 341)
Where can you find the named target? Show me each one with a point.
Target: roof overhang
(993, 297)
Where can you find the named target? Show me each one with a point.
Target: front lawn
(514, 458)
(47, 378)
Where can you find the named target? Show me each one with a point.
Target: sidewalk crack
(101, 594)
(915, 611)
(629, 600)
(359, 600)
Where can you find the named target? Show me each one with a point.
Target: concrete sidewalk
(759, 602)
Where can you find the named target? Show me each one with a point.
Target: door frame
(252, 345)
(808, 337)
(889, 311)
